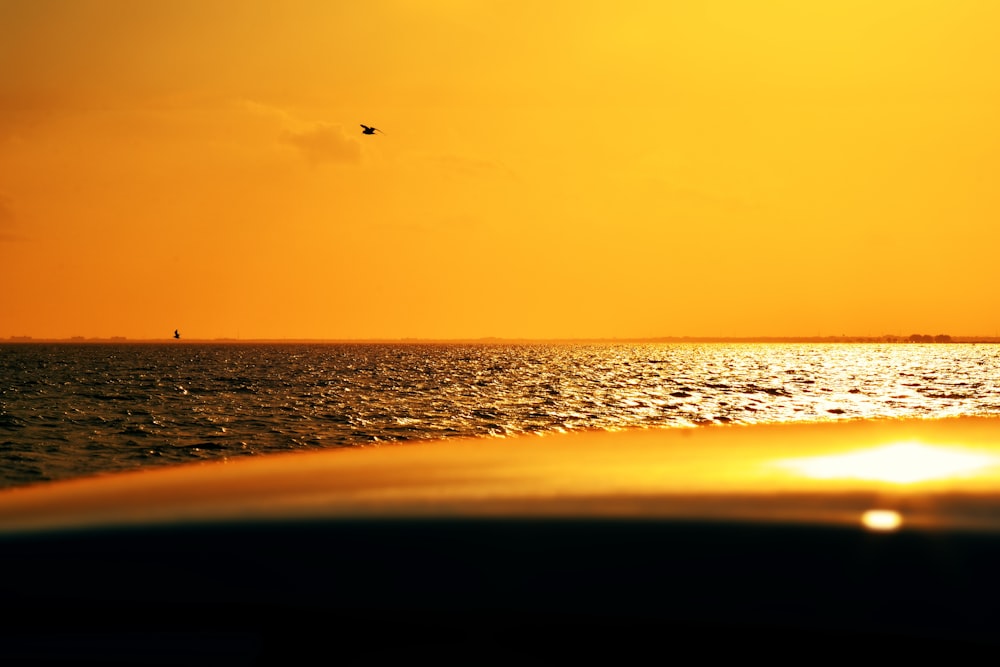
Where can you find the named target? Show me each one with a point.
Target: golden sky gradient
(546, 169)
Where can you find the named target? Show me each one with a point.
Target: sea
(71, 410)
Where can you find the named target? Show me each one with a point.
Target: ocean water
(69, 410)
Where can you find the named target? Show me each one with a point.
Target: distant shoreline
(888, 339)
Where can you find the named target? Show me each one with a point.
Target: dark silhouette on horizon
(369, 130)
(177, 334)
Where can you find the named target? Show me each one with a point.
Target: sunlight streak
(900, 463)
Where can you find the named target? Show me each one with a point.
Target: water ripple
(70, 410)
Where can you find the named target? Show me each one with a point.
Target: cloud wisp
(325, 143)
(7, 221)
(471, 167)
(319, 143)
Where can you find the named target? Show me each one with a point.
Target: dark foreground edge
(494, 592)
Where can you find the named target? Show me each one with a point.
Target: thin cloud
(267, 111)
(694, 197)
(7, 221)
(325, 143)
(23, 110)
(317, 142)
(471, 167)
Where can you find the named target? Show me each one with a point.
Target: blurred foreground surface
(730, 541)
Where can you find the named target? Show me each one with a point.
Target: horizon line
(884, 338)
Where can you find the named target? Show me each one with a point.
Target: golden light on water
(900, 463)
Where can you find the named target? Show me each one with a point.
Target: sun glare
(901, 463)
(881, 520)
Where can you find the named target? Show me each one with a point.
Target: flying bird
(369, 130)
(177, 334)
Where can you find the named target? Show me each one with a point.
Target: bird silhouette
(369, 130)
(177, 334)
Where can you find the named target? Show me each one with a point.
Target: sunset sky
(546, 169)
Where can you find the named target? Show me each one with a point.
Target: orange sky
(547, 169)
